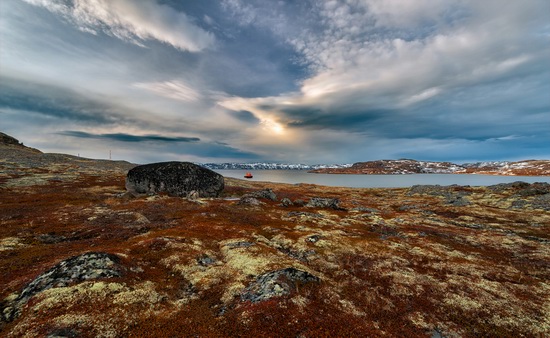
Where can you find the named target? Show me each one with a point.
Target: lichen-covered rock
(249, 200)
(91, 265)
(451, 195)
(267, 194)
(286, 202)
(317, 202)
(174, 178)
(276, 283)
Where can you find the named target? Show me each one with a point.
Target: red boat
(248, 175)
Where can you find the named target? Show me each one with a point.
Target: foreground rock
(91, 265)
(276, 283)
(180, 179)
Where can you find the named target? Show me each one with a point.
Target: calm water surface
(378, 181)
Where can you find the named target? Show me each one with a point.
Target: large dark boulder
(174, 178)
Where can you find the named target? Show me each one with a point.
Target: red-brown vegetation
(385, 270)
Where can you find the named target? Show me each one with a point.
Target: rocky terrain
(397, 167)
(271, 166)
(80, 257)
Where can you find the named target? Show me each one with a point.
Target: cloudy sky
(278, 81)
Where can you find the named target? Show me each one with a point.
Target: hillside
(399, 167)
(81, 258)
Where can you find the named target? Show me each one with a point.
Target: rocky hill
(80, 257)
(8, 142)
(405, 166)
(19, 164)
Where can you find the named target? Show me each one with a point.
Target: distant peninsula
(407, 166)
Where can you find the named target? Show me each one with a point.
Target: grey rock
(541, 202)
(249, 200)
(314, 238)
(286, 202)
(174, 178)
(205, 260)
(299, 202)
(535, 189)
(276, 283)
(317, 202)
(91, 265)
(267, 194)
(451, 195)
(499, 188)
(365, 209)
(50, 238)
(457, 200)
(63, 333)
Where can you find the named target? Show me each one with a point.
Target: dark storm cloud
(129, 138)
(176, 145)
(54, 101)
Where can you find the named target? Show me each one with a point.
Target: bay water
(378, 181)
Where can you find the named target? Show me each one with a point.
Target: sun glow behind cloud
(272, 126)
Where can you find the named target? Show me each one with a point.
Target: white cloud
(176, 90)
(132, 21)
(451, 45)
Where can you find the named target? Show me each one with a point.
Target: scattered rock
(299, 202)
(286, 202)
(314, 238)
(276, 283)
(174, 178)
(205, 260)
(50, 238)
(249, 200)
(452, 197)
(541, 202)
(92, 265)
(365, 209)
(457, 200)
(63, 333)
(535, 189)
(502, 187)
(267, 194)
(235, 245)
(317, 202)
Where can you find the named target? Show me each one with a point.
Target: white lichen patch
(301, 301)
(464, 302)
(107, 320)
(251, 260)
(11, 243)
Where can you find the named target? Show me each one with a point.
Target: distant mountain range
(272, 166)
(406, 166)
(402, 167)
(11, 147)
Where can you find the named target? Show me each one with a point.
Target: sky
(278, 81)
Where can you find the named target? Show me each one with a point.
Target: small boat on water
(248, 175)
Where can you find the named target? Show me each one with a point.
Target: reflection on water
(378, 181)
